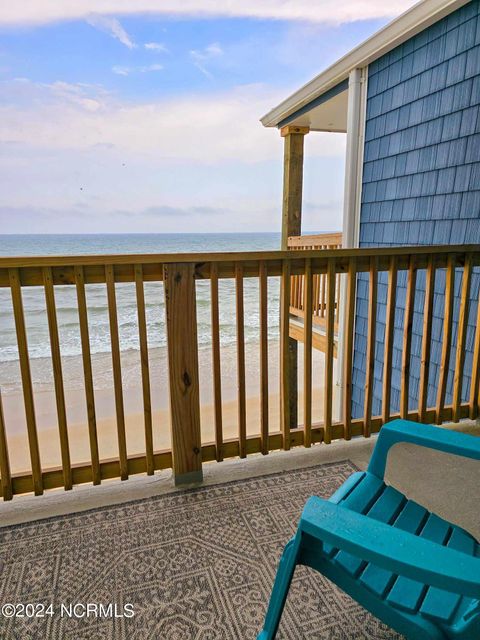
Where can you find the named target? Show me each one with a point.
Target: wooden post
(292, 226)
(180, 306)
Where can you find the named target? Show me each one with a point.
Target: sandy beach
(105, 406)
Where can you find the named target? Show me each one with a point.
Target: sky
(143, 115)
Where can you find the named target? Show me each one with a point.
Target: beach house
(408, 100)
(388, 316)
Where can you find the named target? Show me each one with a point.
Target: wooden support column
(180, 306)
(292, 226)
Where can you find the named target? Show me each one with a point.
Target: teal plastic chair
(412, 569)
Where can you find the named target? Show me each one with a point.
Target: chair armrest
(390, 548)
(460, 444)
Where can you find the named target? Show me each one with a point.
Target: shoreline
(46, 415)
(135, 433)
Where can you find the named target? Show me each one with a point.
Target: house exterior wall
(421, 184)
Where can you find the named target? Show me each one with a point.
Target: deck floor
(203, 561)
(445, 484)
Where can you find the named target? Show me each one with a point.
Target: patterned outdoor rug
(195, 565)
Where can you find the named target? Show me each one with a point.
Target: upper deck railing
(180, 275)
(322, 241)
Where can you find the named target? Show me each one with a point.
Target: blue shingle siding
(421, 185)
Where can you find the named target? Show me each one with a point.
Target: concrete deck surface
(445, 484)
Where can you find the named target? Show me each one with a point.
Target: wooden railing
(179, 273)
(316, 242)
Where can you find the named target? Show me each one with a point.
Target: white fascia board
(413, 21)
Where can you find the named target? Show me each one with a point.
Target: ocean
(72, 364)
(67, 312)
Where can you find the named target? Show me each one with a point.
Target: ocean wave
(127, 315)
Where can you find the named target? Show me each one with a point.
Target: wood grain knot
(197, 272)
(196, 450)
(178, 277)
(187, 381)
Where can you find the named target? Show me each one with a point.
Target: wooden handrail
(316, 290)
(64, 268)
(225, 257)
(316, 241)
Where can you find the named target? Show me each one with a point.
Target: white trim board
(357, 112)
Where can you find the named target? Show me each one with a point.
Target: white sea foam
(66, 304)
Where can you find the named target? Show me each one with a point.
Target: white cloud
(121, 71)
(126, 71)
(112, 26)
(21, 94)
(157, 47)
(326, 11)
(201, 129)
(93, 162)
(201, 57)
(151, 67)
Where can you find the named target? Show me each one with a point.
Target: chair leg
(281, 586)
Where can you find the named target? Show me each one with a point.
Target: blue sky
(144, 120)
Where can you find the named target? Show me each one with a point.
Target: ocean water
(67, 311)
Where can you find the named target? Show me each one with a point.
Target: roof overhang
(305, 107)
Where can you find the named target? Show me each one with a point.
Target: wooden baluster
(242, 403)
(461, 337)
(299, 291)
(348, 357)
(145, 366)
(5, 476)
(307, 345)
(329, 350)
(298, 284)
(57, 376)
(117, 370)
(389, 329)
(426, 339)
(87, 373)
(316, 294)
(264, 420)
(216, 364)
(337, 301)
(407, 336)
(323, 286)
(285, 390)
(447, 338)
(371, 342)
(474, 400)
(15, 288)
(181, 313)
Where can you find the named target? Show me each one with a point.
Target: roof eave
(408, 24)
